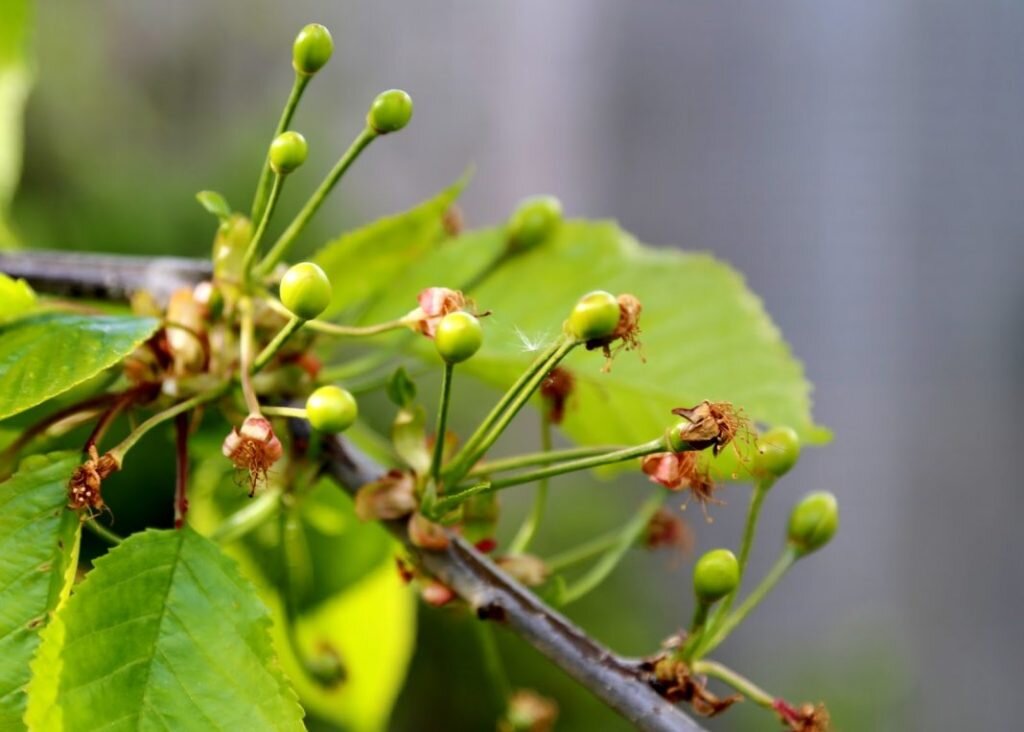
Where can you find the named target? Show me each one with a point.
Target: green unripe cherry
(778, 449)
(715, 575)
(305, 290)
(287, 152)
(331, 409)
(813, 522)
(458, 336)
(312, 49)
(390, 111)
(534, 220)
(596, 315)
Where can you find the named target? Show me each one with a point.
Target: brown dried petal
(391, 497)
(425, 534)
(526, 568)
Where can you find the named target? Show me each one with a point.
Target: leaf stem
(263, 186)
(295, 228)
(626, 539)
(251, 516)
(246, 349)
(103, 532)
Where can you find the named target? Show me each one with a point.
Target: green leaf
(39, 546)
(401, 389)
(15, 82)
(364, 262)
(705, 335)
(409, 436)
(164, 633)
(17, 298)
(215, 203)
(44, 355)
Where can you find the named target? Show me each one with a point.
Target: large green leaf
(39, 546)
(15, 82)
(363, 262)
(705, 335)
(165, 634)
(44, 355)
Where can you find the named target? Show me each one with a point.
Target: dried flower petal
(425, 534)
(556, 388)
(391, 497)
(253, 448)
(435, 303)
(526, 568)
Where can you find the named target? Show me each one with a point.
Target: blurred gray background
(861, 162)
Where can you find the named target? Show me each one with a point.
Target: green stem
(103, 532)
(529, 528)
(503, 465)
(259, 201)
(128, 442)
(442, 419)
(503, 413)
(356, 367)
(761, 488)
(246, 349)
(493, 666)
(582, 552)
(254, 243)
(293, 412)
(295, 228)
(627, 538)
(782, 565)
(274, 346)
(254, 514)
(740, 683)
(354, 331)
(698, 626)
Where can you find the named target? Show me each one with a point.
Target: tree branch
(621, 683)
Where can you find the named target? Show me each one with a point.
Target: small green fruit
(331, 409)
(778, 449)
(596, 315)
(458, 336)
(287, 152)
(390, 112)
(313, 48)
(305, 290)
(534, 220)
(715, 575)
(813, 522)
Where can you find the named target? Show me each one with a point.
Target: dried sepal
(84, 488)
(527, 569)
(626, 335)
(674, 681)
(436, 594)
(425, 534)
(529, 711)
(665, 530)
(710, 424)
(254, 448)
(555, 389)
(391, 497)
(805, 718)
(434, 304)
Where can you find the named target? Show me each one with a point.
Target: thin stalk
(254, 514)
(356, 367)
(128, 442)
(528, 460)
(103, 532)
(352, 331)
(528, 530)
(698, 626)
(181, 469)
(782, 565)
(572, 466)
(439, 432)
(740, 683)
(293, 412)
(259, 201)
(295, 228)
(107, 418)
(627, 538)
(289, 329)
(254, 243)
(761, 488)
(492, 427)
(493, 666)
(582, 552)
(246, 349)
